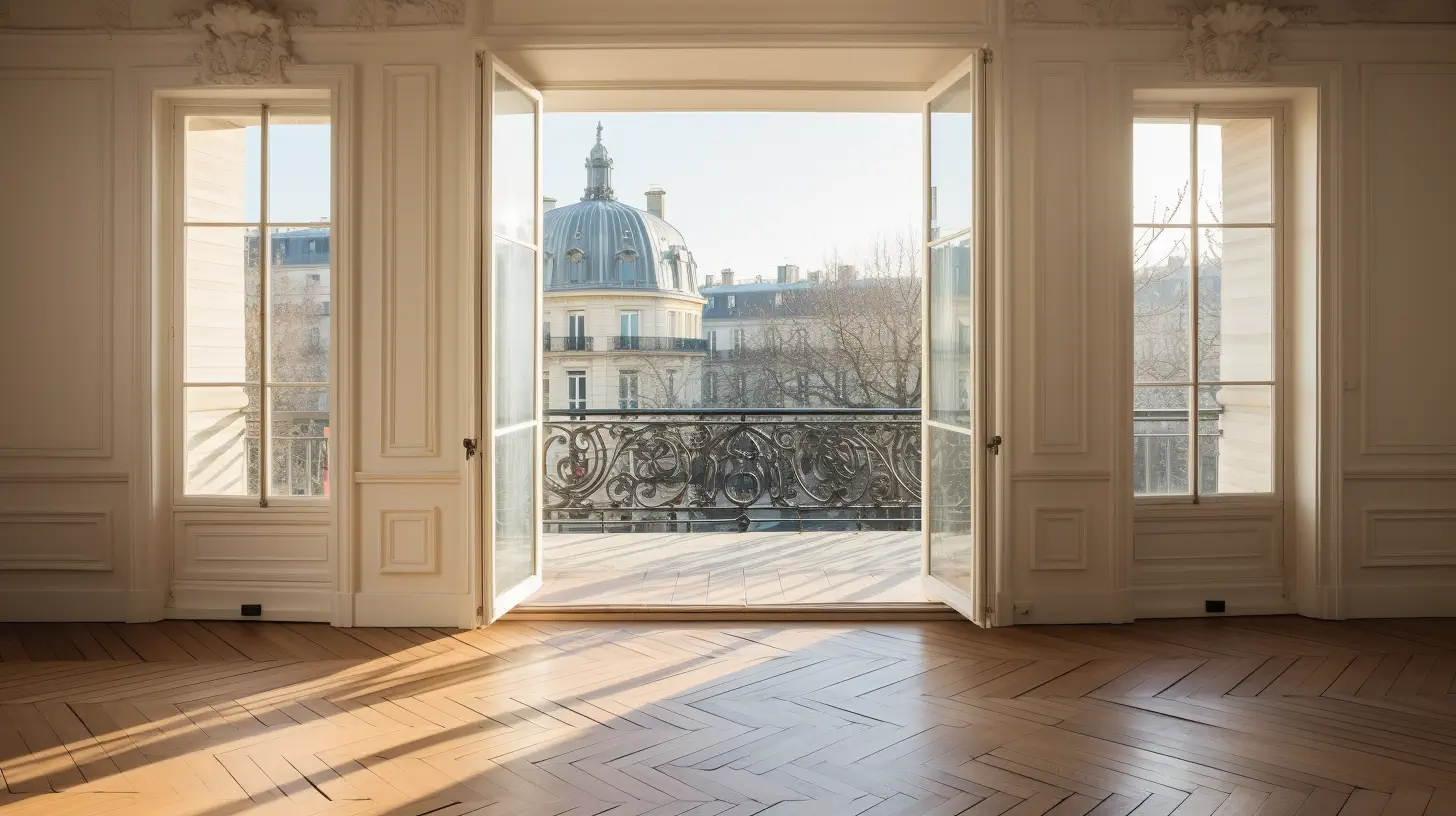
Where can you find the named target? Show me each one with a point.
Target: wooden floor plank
(1235, 717)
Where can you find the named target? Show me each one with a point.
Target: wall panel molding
(1397, 537)
(409, 541)
(1406, 162)
(246, 547)
(1058, 538)
(411, 326)
(64, 161)
(1059, 339)
(63, 478)
(56, 540)
(422, 477)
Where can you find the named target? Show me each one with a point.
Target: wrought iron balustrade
(567, 343)
(686, 470)
(632, 342)
(1160, 450)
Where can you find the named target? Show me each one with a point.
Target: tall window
(546, 391)
(628, 393)
(576, 331)
(255, 279)
(576, 390)
(629, 335)
(1205, 301)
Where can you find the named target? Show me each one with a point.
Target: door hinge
(994, 446)
(469, 448)
(986, 56)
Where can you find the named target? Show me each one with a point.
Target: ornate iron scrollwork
(827, 465)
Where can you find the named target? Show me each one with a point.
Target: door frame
(816, 94)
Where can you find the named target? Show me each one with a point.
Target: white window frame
(1278, 185)
(629, 318)
(629, 389)
(576, 398)
(313, 102)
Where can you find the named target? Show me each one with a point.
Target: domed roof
(601, 243)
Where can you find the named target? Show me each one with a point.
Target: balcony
(568, 343)
(625, 342)
(672, 507)
(1160, 451)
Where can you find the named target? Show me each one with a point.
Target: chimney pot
(657, 202)
(727, 275)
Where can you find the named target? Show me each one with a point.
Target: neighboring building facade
(622, 320)
(823, 340)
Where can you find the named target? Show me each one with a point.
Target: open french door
(956, 442)
(510, 338)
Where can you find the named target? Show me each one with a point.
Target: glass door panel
(956, 540)
(512, 291)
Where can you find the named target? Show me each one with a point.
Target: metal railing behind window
(626, 342)
(690, 470)
(1160, 451)
(567, 343)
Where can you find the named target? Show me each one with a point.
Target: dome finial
(598, 171)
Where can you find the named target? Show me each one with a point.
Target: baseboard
(777, 612)
(1069, 607)
(222, 600)
(66, 605)
(1186, 600)
(411, 609)
(1398, 601)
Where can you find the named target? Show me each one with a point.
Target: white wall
(87, 528)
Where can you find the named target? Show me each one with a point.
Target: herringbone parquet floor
(1252, 716)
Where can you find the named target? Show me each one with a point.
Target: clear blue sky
(753, 190)
(749, 191)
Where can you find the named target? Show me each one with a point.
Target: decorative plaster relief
(245, 45)
(1025, 11)
(1232, 43)
(1107, 13)
(114, 14)
(380, 14)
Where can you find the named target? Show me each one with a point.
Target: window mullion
(1195, 465)
(265, 446)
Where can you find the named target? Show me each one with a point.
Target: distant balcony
(724, 471)
(569, 343)
(623, 342)
(1160, 451)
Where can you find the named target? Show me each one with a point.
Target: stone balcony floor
(730, 569)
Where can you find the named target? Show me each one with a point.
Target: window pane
(513, 333)
(951, 521)
(299, 420)
(1160, 440)
(1236, 304)
(222, 173)
(951, 333)
(513, 163)
(299, 166)
(1161, 291)
(220, 437)
(1235, 171)
(515, 513)
(952, 140)
(221, 305)
(1161, 163)
(298, 295)
(1236, 438)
